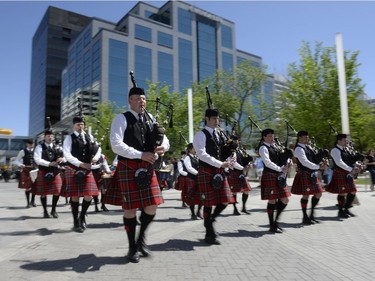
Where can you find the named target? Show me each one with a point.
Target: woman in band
(182, 173)
(276, 195)
(49, 180)
(342, 182)
(191, 164)
(306, 182)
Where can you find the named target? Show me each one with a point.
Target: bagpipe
(157, 130)
(320, 154)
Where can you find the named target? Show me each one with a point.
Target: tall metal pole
(342, 84)
(190, 113)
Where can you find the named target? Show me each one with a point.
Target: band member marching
(134, 183)
(25, 160)
(49, 180)
(79, 180)
(182, 174)
(342, 182)
(191, 165)
(272, 188)
(306, 182)
(212, 185)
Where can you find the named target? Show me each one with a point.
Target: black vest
(274, 157)
(80, 150)
(28, 158)
(346, 158)
(309, 155)
(212, 148)
(194, 163)
(48, 154)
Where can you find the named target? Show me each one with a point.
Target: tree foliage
(313, 97)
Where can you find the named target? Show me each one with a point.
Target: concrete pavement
(34, 248)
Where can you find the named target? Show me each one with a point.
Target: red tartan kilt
(180, 183)
(206, 195)
(189, 193)
(42, 187)
(235, 184)
(123, 191)
(71, 189)
(98, 178)
(339, 183)
(302, 184)
(25, 180)
(269, 189)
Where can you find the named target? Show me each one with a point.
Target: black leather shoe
(54, 214)
(236, 212)
(211, 240)
(133, 256)
(274, 229)
(349, 213)
(307, 221)
(82, 222)
(245, 211)
(199, 215)
(343, 215)
(78, 229)
(33, 204)
(313, 219)
(96, 209)
(144, 250)
(194, 217)
(46, 215)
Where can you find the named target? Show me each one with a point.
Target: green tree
(313, 96)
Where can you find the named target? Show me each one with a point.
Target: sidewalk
(34, 248)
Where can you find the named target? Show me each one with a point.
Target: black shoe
(275, 229)
(28, 206)
(236, 212)
(184, 205)
(104, 208)
(133, 256)
(54, 214)
(78, 229)
(97, 209)
(349, 213)
(245, 211)
(33, 204)
(46, 215)
(82, 222)
(199, 216)
(194, 217)
(313, 219)
(343, 215)
(307, 221)
(211, 239)
(144, 249)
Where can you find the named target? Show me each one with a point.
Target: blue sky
(273, 30)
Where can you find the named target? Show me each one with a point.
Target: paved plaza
(35, 248)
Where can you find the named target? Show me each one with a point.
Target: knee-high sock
(280, 208)
(340, 202)
(55, 199)
(85, 206)
(145, 220)
(349, 200)
(75, 207)
(27, 193)
(96, 199)
(130, 227)
(207, 220)
(192, 209)
(314, 202)
(43, 200)
(32, 198)
(304, 207)
(244, 200)
(270, 211)
(217, 211)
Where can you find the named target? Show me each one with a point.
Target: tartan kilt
(269, 189)
(235, 184)
(180, 183)
(98, 178)
(123, 191)
(42, 187)
(71, 189)
(206, 195)
(25, 180)
(189, 192)
(339, 183)
(302, 184)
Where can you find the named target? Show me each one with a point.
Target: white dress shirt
(199, 143)
(300, 154)
(336, 155)
(19, 160)
(189, 167)
(264, 154)
(180, 167)
(38, 155)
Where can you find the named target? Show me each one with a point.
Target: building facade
(50, 45)
(175, 45)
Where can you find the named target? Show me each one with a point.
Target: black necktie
(140, 118)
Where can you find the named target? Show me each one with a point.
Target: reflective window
(185, 62)
(118, 72)
(207, 64)
(227, 61)
(143, 66)
(184, 21)
(87, 38)
(86, 69)
(226, 37)
(143, 33)
(165, 39)
(4, 144)
(96, 66)
(17, 144)
(165, 68)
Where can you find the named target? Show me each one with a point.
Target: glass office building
(50, 45)
(175, 44)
